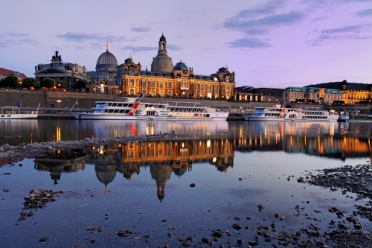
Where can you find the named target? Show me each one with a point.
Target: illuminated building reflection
(60, 162)
(177, 156)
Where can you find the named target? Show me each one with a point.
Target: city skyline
(275, 44)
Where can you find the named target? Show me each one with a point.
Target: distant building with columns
(64, 74)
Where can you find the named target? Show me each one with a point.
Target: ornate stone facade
(164, 80)
(64, 74)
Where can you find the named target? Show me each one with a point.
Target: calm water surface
(144, 187)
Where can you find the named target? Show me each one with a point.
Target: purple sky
(277, 43)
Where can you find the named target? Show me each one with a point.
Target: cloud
(262, 25)
(174, 47)
(354, 32)
(140, 29)
(267, 8)
(364, 13)
(17, 39)
(248, 43)
(79, 37)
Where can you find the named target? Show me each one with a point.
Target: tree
(30, 82)
(47, 83)
(80, 84)
(10, 81)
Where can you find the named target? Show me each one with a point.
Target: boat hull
(18, 116)
(101, 116)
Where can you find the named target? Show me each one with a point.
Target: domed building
(162, 62)
(166, 80)
(104, 78)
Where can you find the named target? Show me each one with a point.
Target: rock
(300, 180)
(239, 243)
(358, 226)
(192, 185)
(43, 239)
(217, 234)
(91, 228)
(236, 226)
(205, 240)
(260, 207)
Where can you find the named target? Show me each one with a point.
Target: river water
(161, 192)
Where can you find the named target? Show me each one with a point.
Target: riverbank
(344, 227)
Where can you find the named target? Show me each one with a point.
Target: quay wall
(60, 101)
(65, 100)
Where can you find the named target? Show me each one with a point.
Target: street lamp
(59, 103)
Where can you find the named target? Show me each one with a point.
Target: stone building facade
(312, 95)
(250, 94)
(166, 80)
(64, 74)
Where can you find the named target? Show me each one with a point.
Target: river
(164, 192)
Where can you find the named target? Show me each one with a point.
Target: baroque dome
(180, 66)
(162, 62)
(106, 60)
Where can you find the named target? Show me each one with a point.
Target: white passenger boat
(278, 113)
(137, 110)
(313, 115)
(14, 112)
(275, 113)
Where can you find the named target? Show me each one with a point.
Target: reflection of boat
(137, 110)
(279, 113)
(107, 128)
(14, 112)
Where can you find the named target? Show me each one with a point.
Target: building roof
(339, 86)
(106, 60)
(6, 72)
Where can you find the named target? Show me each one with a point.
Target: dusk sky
(274, 44)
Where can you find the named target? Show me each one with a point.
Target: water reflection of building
(105, 162)
(335, 140)
(163, 157)
(160, 173)
(60, 162)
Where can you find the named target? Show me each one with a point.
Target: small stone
(239, 243)
(43, 239)
(91, 228)
(205, 240)
(236, 226)
(260, 207)
(217, 234)
(192, 185)
(357, 226)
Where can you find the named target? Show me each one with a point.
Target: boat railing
(178, 103)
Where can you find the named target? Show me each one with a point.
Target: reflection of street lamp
(59, 103)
